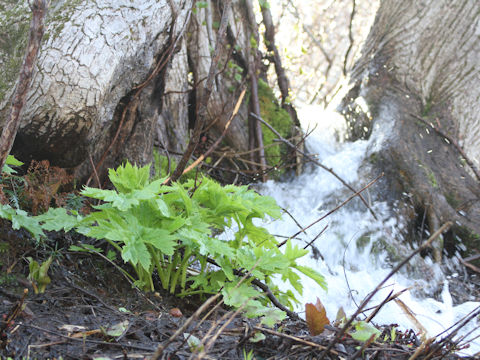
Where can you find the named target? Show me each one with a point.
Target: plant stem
(176, 272)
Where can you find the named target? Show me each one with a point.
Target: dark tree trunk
(419, 75)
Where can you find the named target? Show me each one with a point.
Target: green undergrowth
(196, 237)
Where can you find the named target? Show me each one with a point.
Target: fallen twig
(437, 346)
(469, 265)
(296, 339)
(389, 298)
(291, 314)
(10, 318)
(362, 348)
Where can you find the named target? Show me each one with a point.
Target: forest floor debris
(90, 311)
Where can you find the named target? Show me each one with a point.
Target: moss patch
(271, 112)
(15, 19)
(14, 25)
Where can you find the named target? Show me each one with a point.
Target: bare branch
(12, 123)
(350, 38)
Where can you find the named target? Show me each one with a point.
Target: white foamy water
(312, 195)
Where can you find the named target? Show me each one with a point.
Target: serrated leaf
(272, 316)
(316, 317)
(56, 219)
(21, 220)
(294, 279)
(239, 295)
(163, 207)
(293, 252)
(6, 212)
(160, 239)
(128, 177)
(312, 274)
(11, 161)
(215, 247)
(107, 195)
(137, 253)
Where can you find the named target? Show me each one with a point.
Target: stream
(347, 252)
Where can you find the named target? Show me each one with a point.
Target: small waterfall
(351, 253)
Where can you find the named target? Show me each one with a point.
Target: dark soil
(88, 295)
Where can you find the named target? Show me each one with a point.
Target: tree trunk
(419, 75)
(113, 78)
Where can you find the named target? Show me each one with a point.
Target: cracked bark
(421, 61)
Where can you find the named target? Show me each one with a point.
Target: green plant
(39, 274)
(174, 228)
(54, 219)
(180, 232)
(249, 355)
(364, 331)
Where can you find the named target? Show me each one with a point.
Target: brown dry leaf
(176, 312)
(316, 317)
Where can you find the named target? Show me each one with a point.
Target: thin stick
(315, 238)
(291, 314)
(439, 345)
(94, 170)
(425, 245)
(389, 298)
(219, 331)
(12, 123)
(247, 275)
(350, 38)
(316, 162)
(296, 339)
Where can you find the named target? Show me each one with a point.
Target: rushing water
(345, 258)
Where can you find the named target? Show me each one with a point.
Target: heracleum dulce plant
(173, 228)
